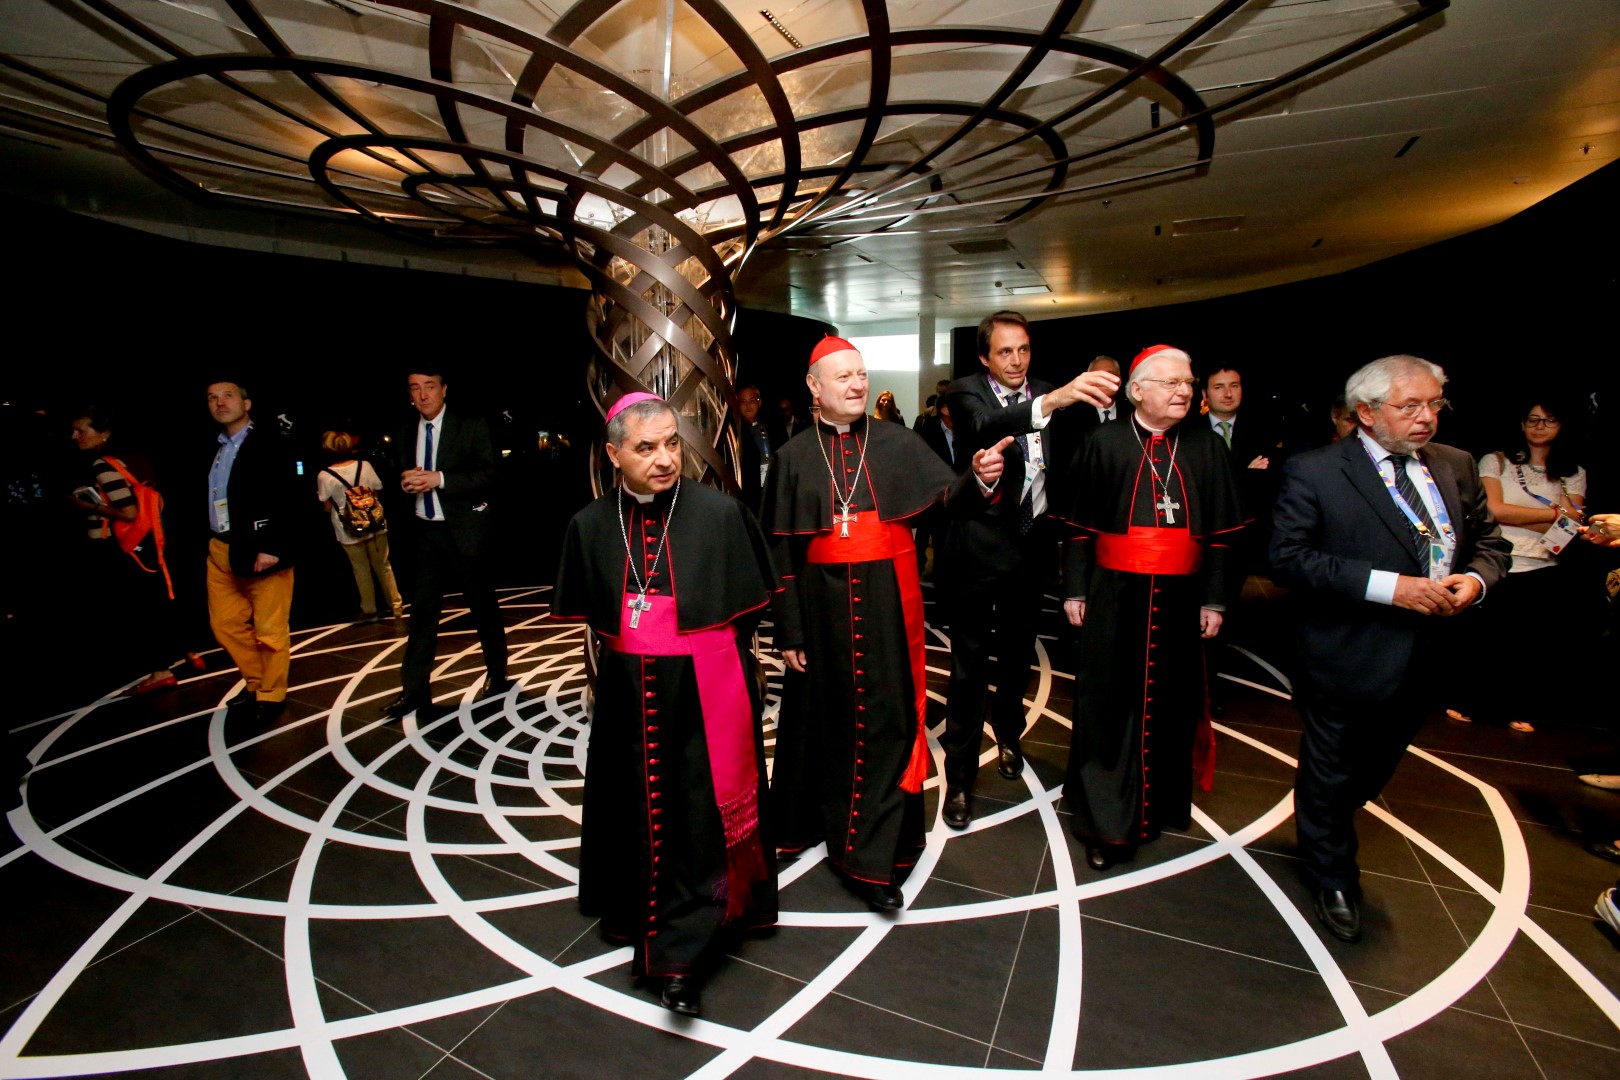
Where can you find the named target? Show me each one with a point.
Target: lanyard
(1035, 456)
(1441, 547)
(1543, 500)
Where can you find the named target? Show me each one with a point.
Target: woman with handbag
(347, 488)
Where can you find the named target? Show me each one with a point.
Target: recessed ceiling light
(1027, 290)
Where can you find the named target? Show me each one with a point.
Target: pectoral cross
(1164, 504)
(844, 519)
(637, 604)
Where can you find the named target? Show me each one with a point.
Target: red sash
(728, 725)
(1147, 550)
(871, 540)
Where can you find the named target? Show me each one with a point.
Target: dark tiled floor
(200, 909)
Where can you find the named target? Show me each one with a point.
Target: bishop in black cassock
(671, 577)
(1155, 508)
(851, 746)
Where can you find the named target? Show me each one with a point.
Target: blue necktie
(427, 463)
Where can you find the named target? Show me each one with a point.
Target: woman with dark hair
(368, 551)
(133, 584)
(1530, 488)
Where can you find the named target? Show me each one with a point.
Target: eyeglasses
(1410, 409)
(1540, 421)
(749, 400)
(1172, 385)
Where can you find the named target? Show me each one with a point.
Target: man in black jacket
(252, 500)
(998, 558)
(446, 463)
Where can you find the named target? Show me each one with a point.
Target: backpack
(361, 513)
(148, 522)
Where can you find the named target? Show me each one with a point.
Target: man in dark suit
(755, 446)
(939, 432)
(1383, 537)
(998, 558)
(446, 462)
(251, 512)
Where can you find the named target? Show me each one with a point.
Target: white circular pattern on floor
(522, 759)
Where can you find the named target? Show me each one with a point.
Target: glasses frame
(1436, 406)
(1541, 421)
(1172, 385)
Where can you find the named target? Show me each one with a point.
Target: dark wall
(1521, 309)
(139, 324)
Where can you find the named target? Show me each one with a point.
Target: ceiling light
(1029, 290)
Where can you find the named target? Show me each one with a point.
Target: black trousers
(1347, 753)
(992, 620)
(437, 565)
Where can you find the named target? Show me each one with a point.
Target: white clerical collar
(842, 429)
(1154, 430)
(640, 498)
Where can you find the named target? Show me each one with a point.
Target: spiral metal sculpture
(495, 122)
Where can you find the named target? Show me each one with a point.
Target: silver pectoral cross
(637, 604)
(1164, 504)
(844, 519)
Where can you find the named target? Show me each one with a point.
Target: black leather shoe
(1338, 911)
(958, 812)
(268, 712)
(494, 688)
(681, 996)
(885, 898)
(243, 699)
(1098, 858)
(403, 705)
(1010, 762)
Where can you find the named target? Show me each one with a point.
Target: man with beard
(672, 578)
(851, 749)
(1157, 507)
(1382, 536)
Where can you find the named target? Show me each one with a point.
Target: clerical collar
(640, 498)
(1145, 427)
(842, 429)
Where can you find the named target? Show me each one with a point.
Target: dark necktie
(427, 463)
(1409, 492)
(1026, 506)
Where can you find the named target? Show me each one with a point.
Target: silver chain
(663, 541)
(845, 500)
(1154, 469)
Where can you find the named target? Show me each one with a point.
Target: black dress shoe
(958, 812)
(403, 705)
(269, 712)
(681, 996)
(494, 688)
(1098, 858)
(1010, 762)
(1338, 911)
(882, 897)
(242, 699)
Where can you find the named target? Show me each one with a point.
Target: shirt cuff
(1482, 587)
(1037, 420)
(442, 485)
(1381, 586)
(986, 491)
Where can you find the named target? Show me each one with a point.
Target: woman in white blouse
(1529, 490)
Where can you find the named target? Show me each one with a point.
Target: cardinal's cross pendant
(844, 519)
(637, 604)
(1164, 504)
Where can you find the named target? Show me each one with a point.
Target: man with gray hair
(1381, 536)
(672, 578)
(1156, 506)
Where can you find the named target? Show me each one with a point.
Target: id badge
(1558, 534)
(222, 514)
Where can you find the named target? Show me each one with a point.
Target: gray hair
(1141, 370)
(619, 426)
(1371, 384)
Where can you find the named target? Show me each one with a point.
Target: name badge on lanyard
(1442, 547)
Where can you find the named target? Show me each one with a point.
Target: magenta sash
(728, 727)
